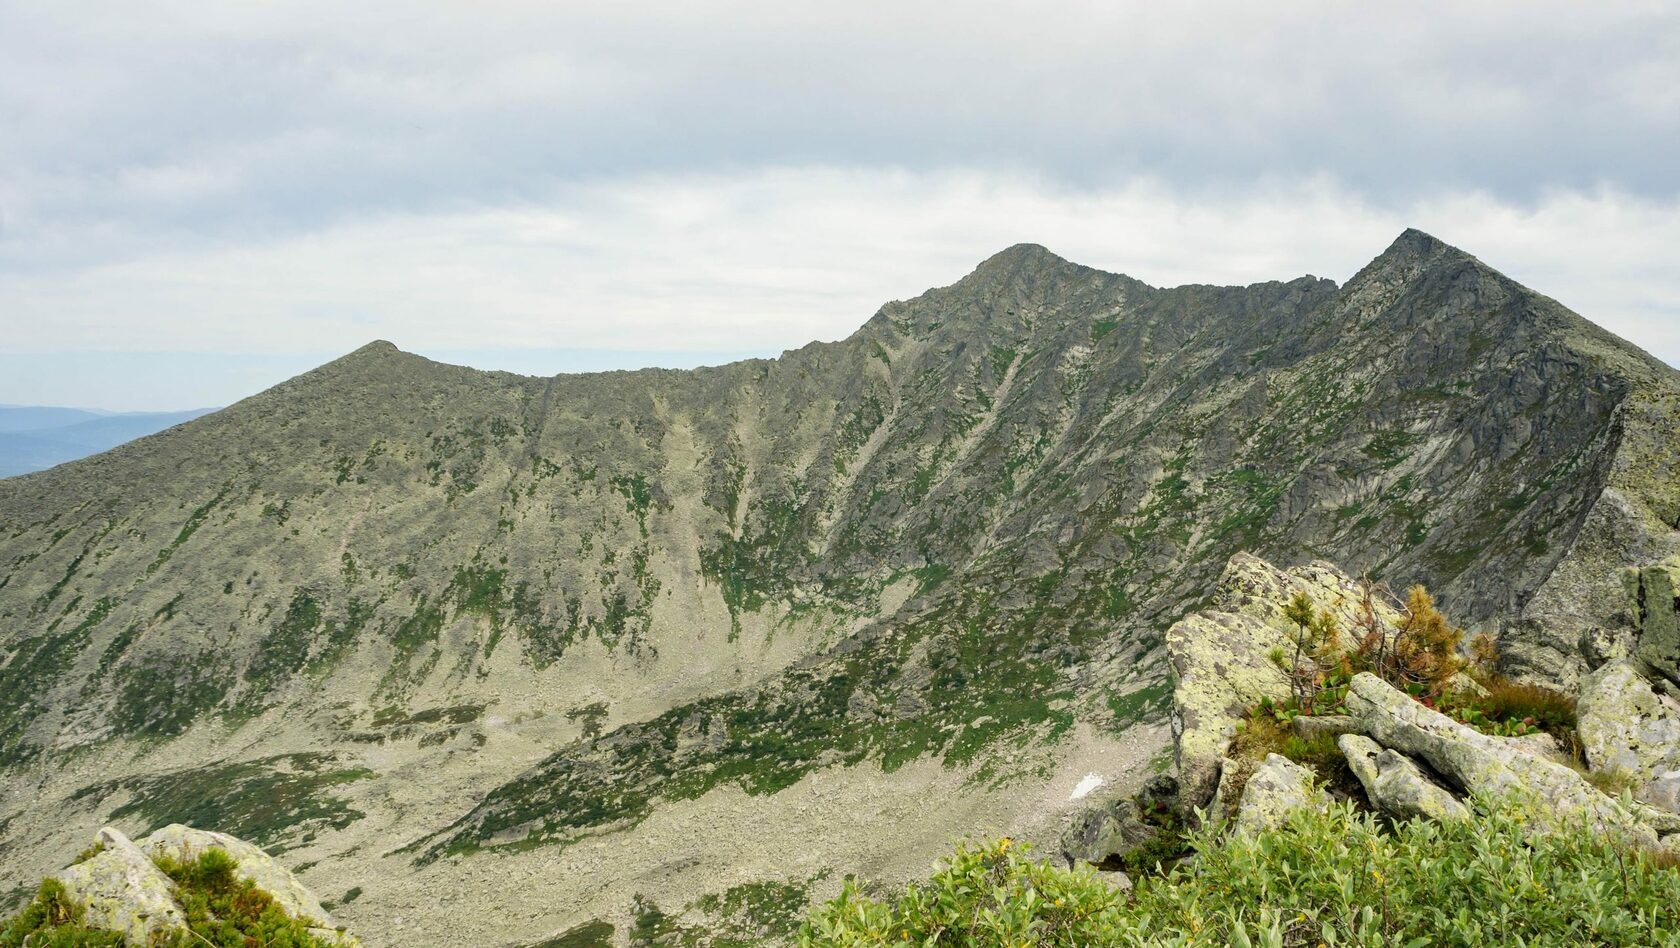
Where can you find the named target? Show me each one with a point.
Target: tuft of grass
(1550, 710)
(1611, 783)
(1512, 709)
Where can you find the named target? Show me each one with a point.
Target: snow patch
(1091, 782)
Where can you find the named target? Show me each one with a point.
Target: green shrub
(1336, 878)
(1266, 730)
(985, 894)
(1419, 656)
(229, 912)
(53, 921)
(1160, 852)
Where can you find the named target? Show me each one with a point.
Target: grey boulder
(1395, 784)
(1276, 789)
(1483, 764)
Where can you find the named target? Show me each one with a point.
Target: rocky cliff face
(540, 646)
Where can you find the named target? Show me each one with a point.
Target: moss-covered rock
(178, 887)
(121, 890)
(184, 844)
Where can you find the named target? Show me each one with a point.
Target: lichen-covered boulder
(1221, 669)
(1599, 645)
(1221, 662)
(1395, 784)
(1483, 764)
(121, 890)
(185, 843)
(1626, 726)
(1663, 793)
(1656, 611)
(1277, 788)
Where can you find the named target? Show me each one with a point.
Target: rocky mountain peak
(1412, 253)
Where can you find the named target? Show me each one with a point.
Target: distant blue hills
(36, 437)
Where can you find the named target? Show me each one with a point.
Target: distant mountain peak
(1023, 253)
(1416, 245)
(1016, 260)
(378, 347)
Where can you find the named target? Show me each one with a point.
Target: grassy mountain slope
(451, 631)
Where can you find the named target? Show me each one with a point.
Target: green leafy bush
(1336, 878)
(985, 894)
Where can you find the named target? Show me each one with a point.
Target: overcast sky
(197, 200)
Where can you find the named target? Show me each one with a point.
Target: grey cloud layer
(276, 177)
(186, 118)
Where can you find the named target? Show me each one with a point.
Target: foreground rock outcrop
(120, 888)
(1221, 658)
(1410, 759)
(1277, 788)
(1480, 763)
(1629, 728)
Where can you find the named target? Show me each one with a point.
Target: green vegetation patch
(591, 934)
(743, 916)
(194, 521)
(161, 698)
(277, 802)
(754, 913)
(1149, 703)
(1335, 878)
(284, 650)
(760, 564)
(35, 666)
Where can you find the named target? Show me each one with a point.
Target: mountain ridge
(471, 615)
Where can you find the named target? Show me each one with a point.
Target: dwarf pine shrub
(1334, 878)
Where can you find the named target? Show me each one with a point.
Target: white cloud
(297, 177)
(772, 259)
